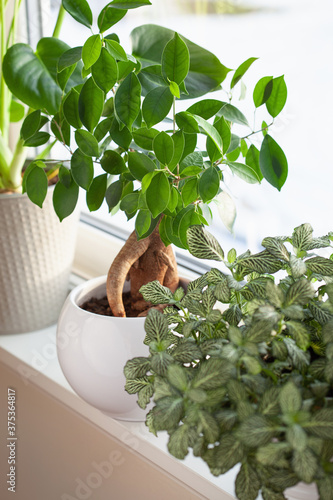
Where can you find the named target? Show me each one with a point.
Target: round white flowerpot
(302, 491)
(93, 350)
(36, 255)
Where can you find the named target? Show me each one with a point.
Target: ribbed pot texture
(36, 255)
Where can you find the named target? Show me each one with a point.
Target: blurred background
(290, 37)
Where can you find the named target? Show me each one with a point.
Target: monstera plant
(249, 383)
(127, 143)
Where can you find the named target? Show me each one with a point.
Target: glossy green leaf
(71, 109)
(156, 105)
(223, 128)
(178, 145)
(122, 137)
(113, 194)
(175, 60)
(36, 185)
(129, 4)
(61, 129)
(65, 199)
(158, 194)
(96, 192)
(82, 169)
(128, 100)
(65, 176)
(37, 139)
(91, 50)
(28, 78)
(278, 96)
(130, 203)
(105, 71)
(252, 159)
(116, 50)
(262, 91)
(79, 10)
(87, 142)
(247, 483)
(174, 89)
(187, 122)
(209, 184)
(148, 42)
(211, 131)
(241, 70)
(248, 174)
(144, 137)
(186, 218)
(273, 162)
(163, 148)
(113, 163)
(190, 191)
(108, 17)
(142, 223)
(69, 57)
(232, 114)
(140, 164)
(31, 125)
(91, 102)
(206, 108)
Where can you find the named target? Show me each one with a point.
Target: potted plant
(135, 150)
(35, 249)
(250, 383)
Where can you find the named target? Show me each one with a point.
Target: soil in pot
(101, 306)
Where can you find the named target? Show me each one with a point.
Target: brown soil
(101, 306)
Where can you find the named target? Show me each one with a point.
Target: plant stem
(174, 114)
(15, 168)
(60, 19)
(4, 112)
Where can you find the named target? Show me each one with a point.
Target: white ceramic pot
(36, 255)
(302, 491)
(93, 350)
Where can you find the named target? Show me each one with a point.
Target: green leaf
(179, 144)
(37, 139)
(325, 488)
(300, 292)
(130, 202)
(113, 194)
(91, 102)
(175, 60)
(140, 164)
(87, 142)
(278, 96)
(144, 137)
(31, 125)
(79, 10)
(156, 327)
(209, 184)
(223, 129)
(28, 78)
(211, 131)
(36, 185)
(71, 109)
(290, 398)
(121, 137)
(91, 50)
(167, 413)
(269, 494)
(262, 91)
(212, 373)
(321, 424)
(179, 442)
(129, 4)
(113, 163)
(174, 89)
(108, 17)
(105, 71)
(187, 123)
(252, 159)
(156, 293)
(255, 431)
(229, 452)
(128, 100)
(243, 172)
(241, 70)
(158, 194)
(276, 248)
(156, 105)
(320, 265)
(273, 162)
(262, 262)
(136, 367)
(96, 192)
(68, 58)
(115, 50)
(247, 483)
(203, 245)
(142, 223)
(65, 199)
(17, 111)
(232, 114)
(82, 169)
(163, 148)
(190, 191)
(305, 465)
(148, 43)
(205, 108)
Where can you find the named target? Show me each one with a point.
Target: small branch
(174, 114)
(257, 131)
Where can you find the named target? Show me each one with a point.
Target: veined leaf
(209, 184)
(273, 162)
(175, 60)
(278, 96)
(320, 265)
(156, 105)
(90, 115)
(105, 71)
(128, 100)
(203, 245)
(108, 17)
(163, 148)
(243, 171)
(247, 483)
(91, 50)
(158, 194)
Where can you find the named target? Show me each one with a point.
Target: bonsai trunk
(141, 262)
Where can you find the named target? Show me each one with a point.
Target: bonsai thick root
(141, 262)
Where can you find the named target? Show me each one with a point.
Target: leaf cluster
(240, 368)
(118, 111)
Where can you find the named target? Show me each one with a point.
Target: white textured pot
(302, 491)
(93, 350)
(36, 255)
